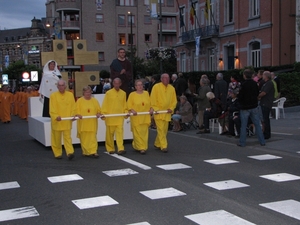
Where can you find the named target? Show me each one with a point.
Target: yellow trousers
(162, 130)
(56, 144)
(111, 131)
(88, 142)
(140, 137)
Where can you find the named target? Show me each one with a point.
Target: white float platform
(40, 127)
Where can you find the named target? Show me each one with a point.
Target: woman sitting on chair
(184, 113)
(213, 112)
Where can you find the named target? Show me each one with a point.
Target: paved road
(204, 179)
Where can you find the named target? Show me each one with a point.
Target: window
(147, 20)
(229, 7)
(122, 39)
(170, 3)
(99, 37)
(148, 38)
(254, 8)
(99, 18)
(146, 2)
(255, 54)
(210, 12)
(125, 3)
(131, 39)
(182, 62)
(101, 56)
(131, 18)
(211, 60)
(121, 20)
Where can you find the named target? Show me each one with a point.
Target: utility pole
(160, 36)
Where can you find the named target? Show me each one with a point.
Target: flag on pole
(192, 14)
(181, 22)
(207, 8)
(197, 40)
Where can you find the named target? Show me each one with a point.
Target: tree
(16, 69)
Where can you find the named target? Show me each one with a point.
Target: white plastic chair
(212, 122)
(280, 103)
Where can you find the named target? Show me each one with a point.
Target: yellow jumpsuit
(162, 98)
(62, 105)
(140, 123)
(87, 128)
(114, 102)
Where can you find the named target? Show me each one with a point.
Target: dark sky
(19, 13)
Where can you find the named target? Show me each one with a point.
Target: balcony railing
(204, 32)
(168, 27)
(70, 24)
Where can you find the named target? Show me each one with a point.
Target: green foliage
(297, 66)
(104, 74)
(290, 87)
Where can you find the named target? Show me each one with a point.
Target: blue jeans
(254, 115)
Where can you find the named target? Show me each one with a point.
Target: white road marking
(142, 223)
(226, 184)
(281, 177)
(221, 161)
(219, 217)
(94, 202)
(18, 213)
(175, 166)
(9, 185)
(162, 193)
(287, 207)
(288, 134)
(130, 161)
(264, 157)
(65, 178)
(121, 172)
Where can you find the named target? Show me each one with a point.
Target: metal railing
(204, 32)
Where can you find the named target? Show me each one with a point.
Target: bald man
(163, 97)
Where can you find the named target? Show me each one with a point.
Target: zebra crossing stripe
(94, 202)
(132, 162)
(162, 193)
(142, 223)
(18, 213)
(9, 185)
(219, 217)
(65, 178)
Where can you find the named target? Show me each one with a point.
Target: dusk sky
(19, 13)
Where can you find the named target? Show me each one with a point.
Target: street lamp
(131, 44)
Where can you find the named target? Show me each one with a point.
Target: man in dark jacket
(249, 107)
(221, 89)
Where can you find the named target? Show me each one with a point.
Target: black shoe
(164, 150)
(58, 157)
(205, 131)
(225, 133)
(70, 156)
(121, 152)
(201, 127)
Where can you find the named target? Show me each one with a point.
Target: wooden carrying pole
(113, 115)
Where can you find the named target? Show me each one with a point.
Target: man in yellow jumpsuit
(62, 104)
(114, 102)
(163, 97)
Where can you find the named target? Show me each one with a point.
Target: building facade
(234, 34)
(108, 25)
(297, 30)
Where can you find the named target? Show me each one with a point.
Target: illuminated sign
(25, 77)
(4, 78)
(34, 76)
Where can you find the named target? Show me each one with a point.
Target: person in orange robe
(6, 100)
(22, 102)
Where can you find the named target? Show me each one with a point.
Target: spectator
(266, 97)
(249, 107)
(183, 114)
(221, 90)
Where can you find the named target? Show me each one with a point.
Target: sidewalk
(285, 133)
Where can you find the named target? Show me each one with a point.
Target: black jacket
(248, 94)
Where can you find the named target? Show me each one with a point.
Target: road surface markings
(264, 157)
(226, 184)
(288, 134)
(18, 213)
(281, 177)
(162, 193)
(65, 178)
(220, 161)
(121, 172)
(142, 223)
(9, 185)
(219, 217)
(87, 203)
(130, 161)
(287, 207)
(175, 166)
